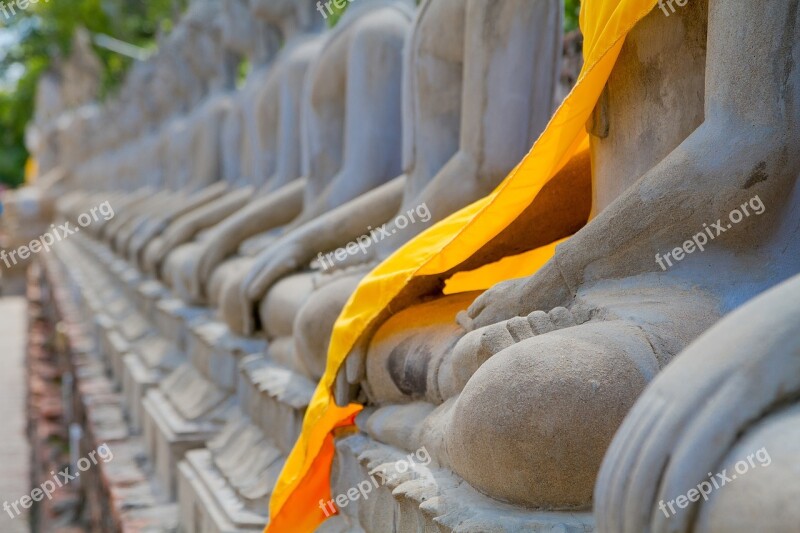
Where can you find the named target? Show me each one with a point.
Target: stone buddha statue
(444, 169)
(342, 83)
(270, 149)
(175, 88)
(521, 396)
(193, 139)
(257, 41)
(353, 79)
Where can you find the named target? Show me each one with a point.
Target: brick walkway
(14, 452)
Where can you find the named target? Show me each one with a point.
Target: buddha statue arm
(277, 158)
(262, 140)
(196, 200)
(742, 150)
(264, 213)
(337, 228)
(499, 121)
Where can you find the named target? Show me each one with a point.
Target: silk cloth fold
(305, 479)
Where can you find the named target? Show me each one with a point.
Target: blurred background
(57, 56)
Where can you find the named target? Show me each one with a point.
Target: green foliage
(333, 18)
(44, 31)
(572, 9)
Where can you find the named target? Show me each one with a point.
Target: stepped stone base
(226, 486)
(426, 498)
(119, 495)
(208, 504)
(168, 435)
(138, 379)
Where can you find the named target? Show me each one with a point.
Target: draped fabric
(305, 480)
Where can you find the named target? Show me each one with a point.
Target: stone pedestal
(401, 493)
(244, 460)
(192, 404)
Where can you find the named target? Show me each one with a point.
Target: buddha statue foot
(547, 390)
(712, 445)
(405, 491)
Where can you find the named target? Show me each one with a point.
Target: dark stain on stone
(408, 367)
(758, 175)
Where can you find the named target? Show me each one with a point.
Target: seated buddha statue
(270, 154)
(213, 164)
(348, 92)
(194, 144)
(258, 42)
(445, 169)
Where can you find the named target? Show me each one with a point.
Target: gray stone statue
(546, 367)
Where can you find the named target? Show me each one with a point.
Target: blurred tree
(43, 32)
(572, 9)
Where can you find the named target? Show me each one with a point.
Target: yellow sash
(305, 480)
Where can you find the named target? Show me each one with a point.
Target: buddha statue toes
(697, 123)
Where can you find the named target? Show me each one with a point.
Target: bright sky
(9, 77)
(6, 38)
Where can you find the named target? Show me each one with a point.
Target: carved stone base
(168, 435)
(229, 482)
(207, 502)
(174, 320)
(148, 294)
(425, 498)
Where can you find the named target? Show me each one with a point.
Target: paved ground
(14, 452)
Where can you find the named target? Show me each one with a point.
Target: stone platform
(209, 418)
(120, 493)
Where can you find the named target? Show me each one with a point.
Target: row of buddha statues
(576, 398)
